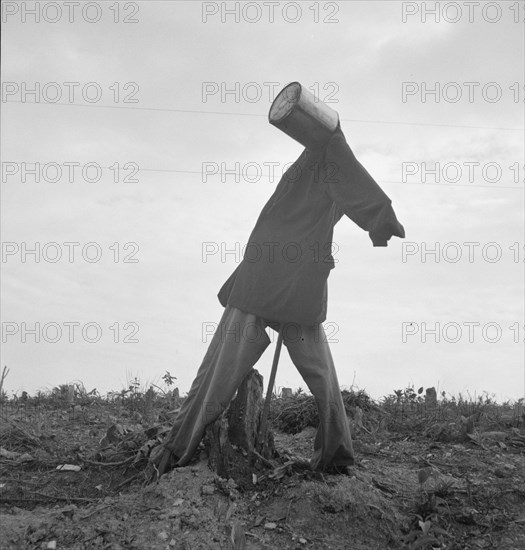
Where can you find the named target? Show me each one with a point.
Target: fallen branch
(46, 499)
(96, 463)
(126, 481)
(265, 461)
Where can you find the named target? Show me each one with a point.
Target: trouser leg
(238, 343)
(310, 353)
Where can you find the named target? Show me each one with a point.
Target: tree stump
(431, 398)
(232, 439)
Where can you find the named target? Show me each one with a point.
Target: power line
(517, 186)
(226, 113)
(278, 177)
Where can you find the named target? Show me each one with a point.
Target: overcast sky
(185, 87)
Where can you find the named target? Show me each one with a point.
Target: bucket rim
(278, 120)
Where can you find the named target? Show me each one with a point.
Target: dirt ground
(421, 489)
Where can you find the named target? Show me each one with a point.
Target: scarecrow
(281, 283)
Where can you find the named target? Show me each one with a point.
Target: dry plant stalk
(5, 372)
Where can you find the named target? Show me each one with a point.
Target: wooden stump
(232, 439)
(431, 398)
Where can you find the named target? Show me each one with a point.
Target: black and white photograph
(262, 277)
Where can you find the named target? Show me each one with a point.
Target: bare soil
(425, 484)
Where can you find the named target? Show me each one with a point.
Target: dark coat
(283, 275)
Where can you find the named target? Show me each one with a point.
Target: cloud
(172, 291)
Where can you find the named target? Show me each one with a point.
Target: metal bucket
(304, 118)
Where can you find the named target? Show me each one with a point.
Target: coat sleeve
(357, 194)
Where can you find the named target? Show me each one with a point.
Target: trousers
(238, 343)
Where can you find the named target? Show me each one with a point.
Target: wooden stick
(264, 419)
